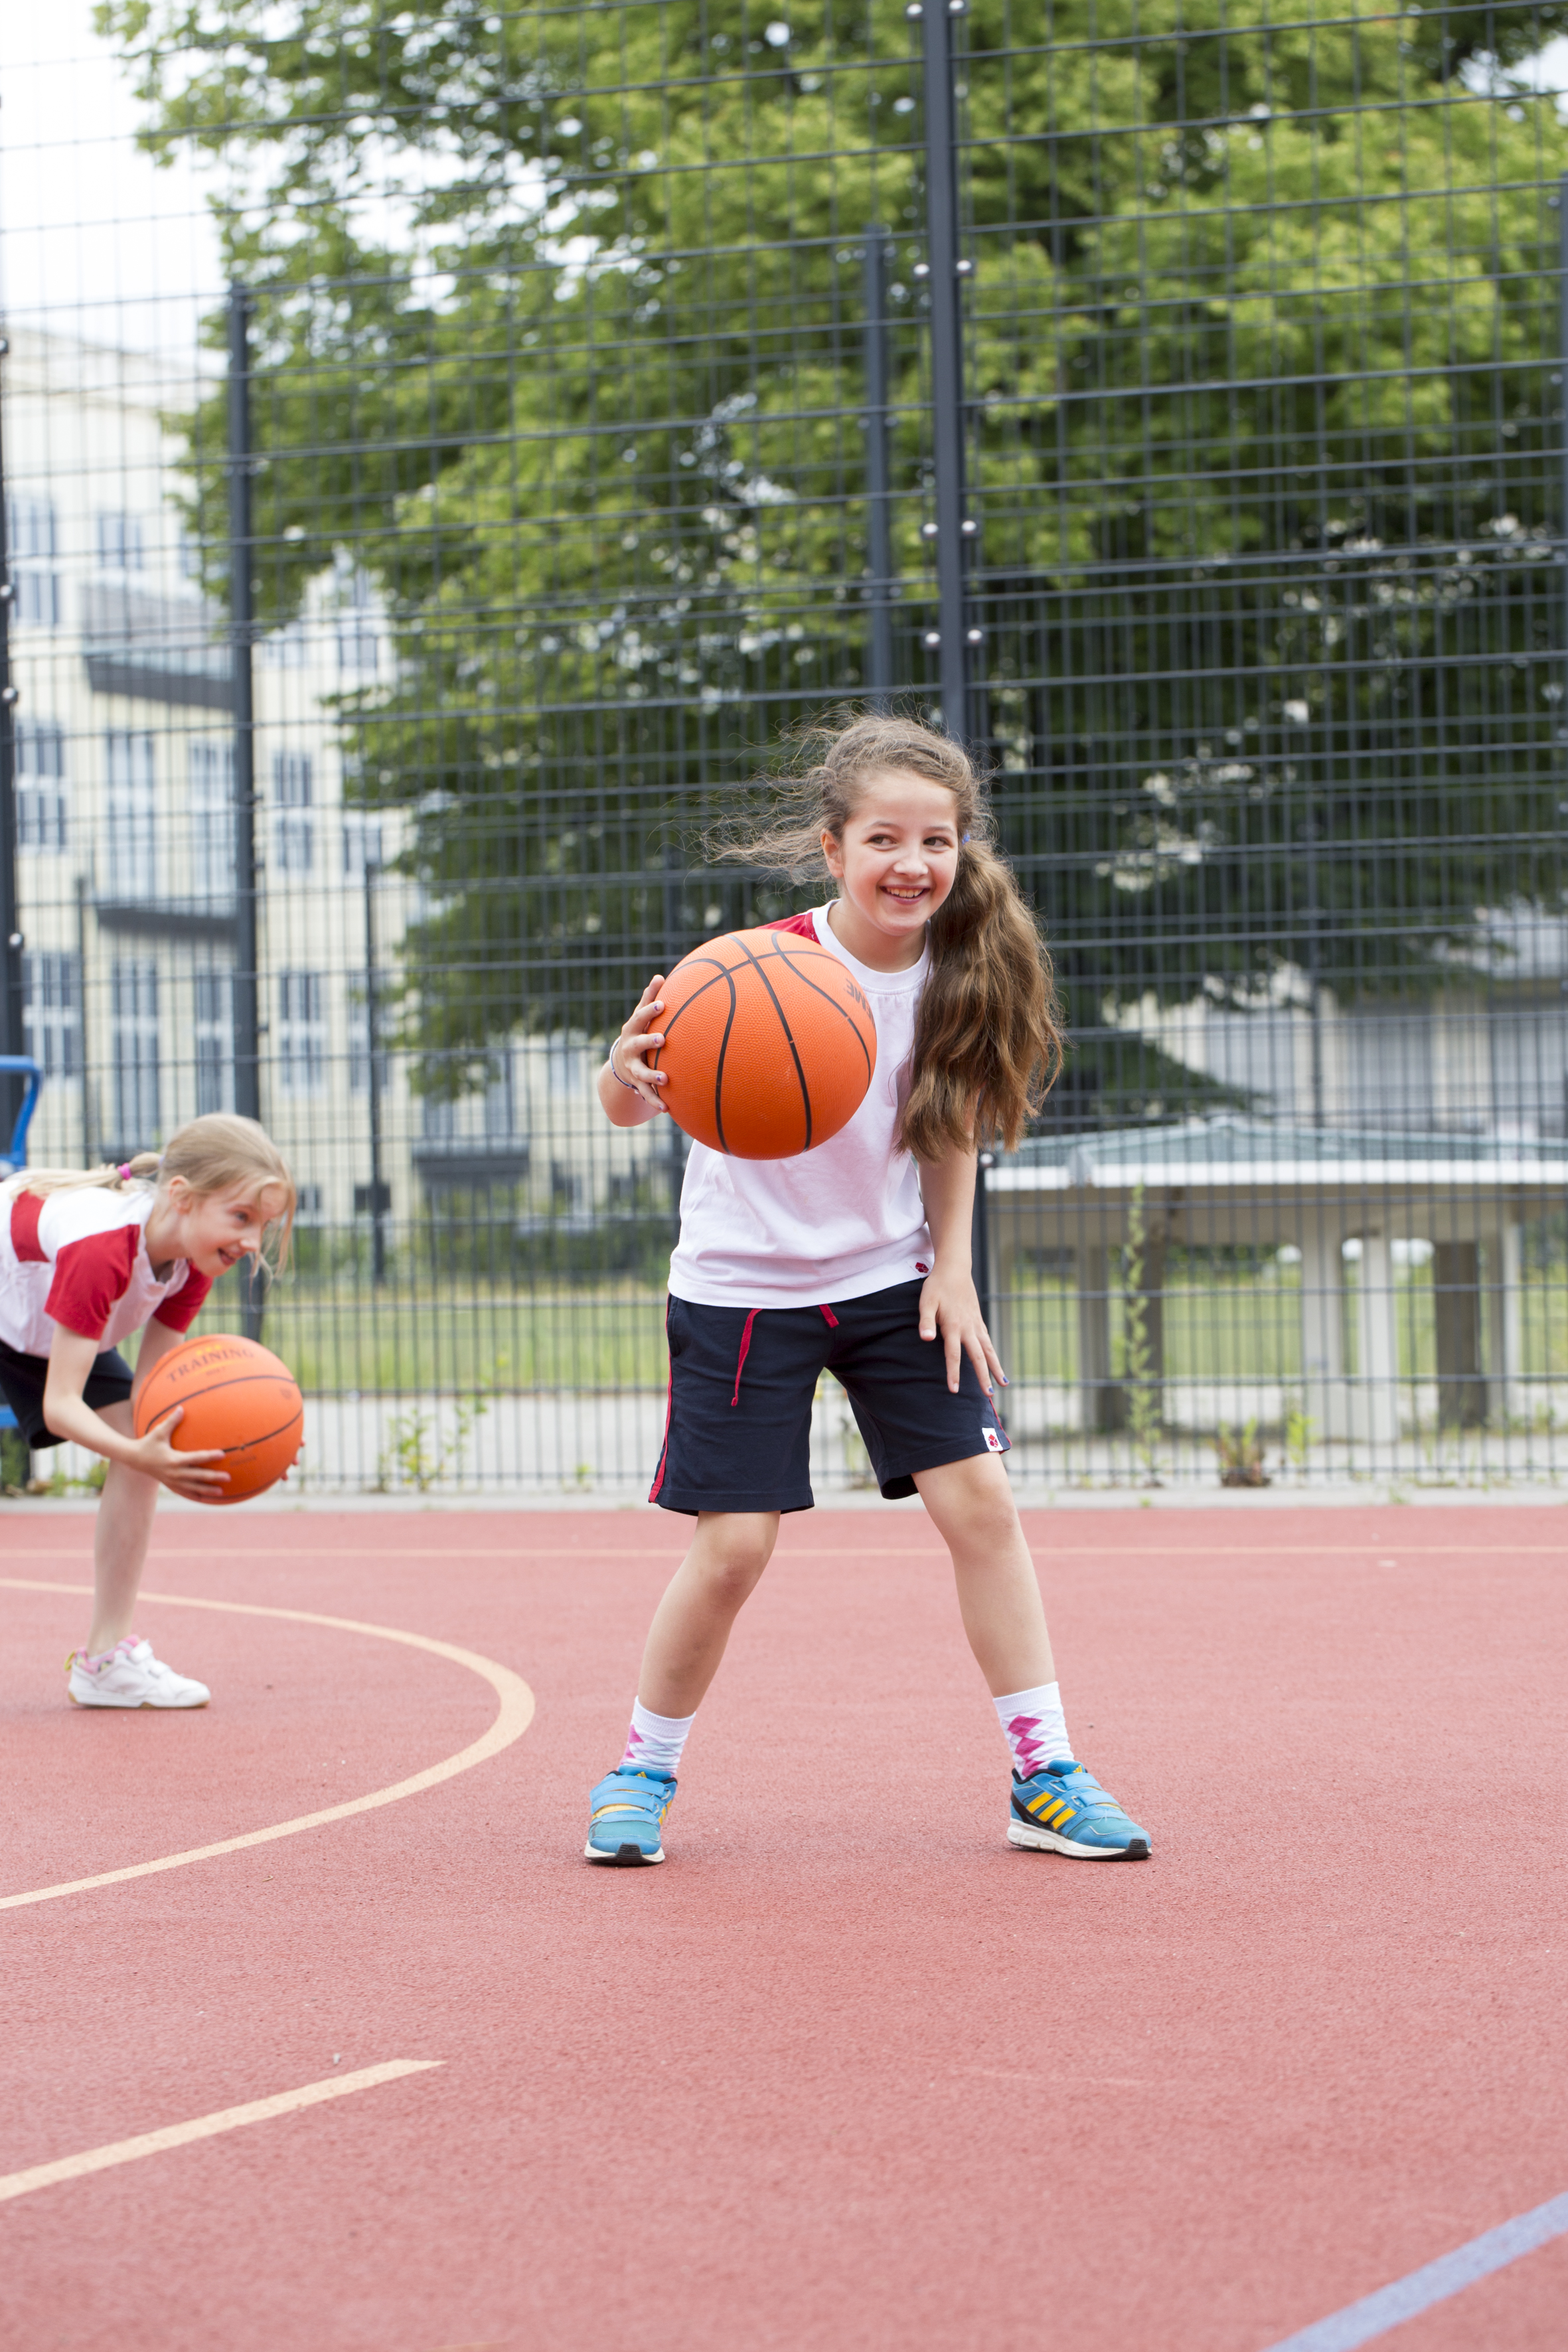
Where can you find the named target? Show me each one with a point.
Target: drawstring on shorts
(828, 1317)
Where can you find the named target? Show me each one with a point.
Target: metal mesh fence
(424, 527)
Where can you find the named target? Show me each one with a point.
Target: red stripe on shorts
(664, 1449)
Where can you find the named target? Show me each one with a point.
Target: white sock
(654, 1741)
(1035, 1725)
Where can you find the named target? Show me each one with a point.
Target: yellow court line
(513, 1718)
(224, 2119)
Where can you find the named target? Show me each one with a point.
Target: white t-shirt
(835, 1222)
(77, 1259)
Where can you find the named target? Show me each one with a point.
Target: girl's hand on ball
(183, 1474)
(951, 1304)
(636, 1038)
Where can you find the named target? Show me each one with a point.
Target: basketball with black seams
(239, 1399)
(769, 1045)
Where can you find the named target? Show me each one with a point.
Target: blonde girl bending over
(85, 1259)
(855, 1258)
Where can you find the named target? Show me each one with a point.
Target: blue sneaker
(629, 1814)
(1062, 1807)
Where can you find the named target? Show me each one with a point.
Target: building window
(301, 1032)
(359, 647)
(40, 785)
(287, 649)
(439, 1119)
(210, 771)
(133, 999)
(30, 541)
(293, 790)
(310, 1205)
(361, 845)
(214, 1042)
(51, 1013)
(122, 546)
(501, 1099)
(359, 1053)
(130, 840)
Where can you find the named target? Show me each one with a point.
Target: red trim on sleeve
(181, 1306)
(27, 1208)
(91, 1275)
(802, 926)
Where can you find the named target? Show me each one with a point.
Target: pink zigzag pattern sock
(1035, 1726)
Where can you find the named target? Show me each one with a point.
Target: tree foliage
(557, 336)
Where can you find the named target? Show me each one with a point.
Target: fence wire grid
(423, 525)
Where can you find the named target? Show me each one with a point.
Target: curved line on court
(513, 1718)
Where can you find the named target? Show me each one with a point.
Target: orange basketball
(237, 1396)
(769, 1045)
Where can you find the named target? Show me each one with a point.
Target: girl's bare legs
(119, 1542)
(998, 1594)
(692, 1624)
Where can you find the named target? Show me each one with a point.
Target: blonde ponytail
(142, 1168)
(218, 1153)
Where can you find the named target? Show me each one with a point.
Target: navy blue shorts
(21, 1380)
(741, 1383)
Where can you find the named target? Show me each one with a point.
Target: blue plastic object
(16, 1153)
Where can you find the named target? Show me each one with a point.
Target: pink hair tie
(125, 1172)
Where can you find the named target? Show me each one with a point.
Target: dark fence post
(980, 1237)
(241, 559)
(1562, 359)
(878, 491)
(952, 636)
(11, 1005)
(378, 1195)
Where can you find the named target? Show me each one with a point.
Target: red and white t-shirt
(835, 1222)
(78, 1261)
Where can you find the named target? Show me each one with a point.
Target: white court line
(1415, 1552)
(511, 1720)
(1391, 2306)
(225, 2119)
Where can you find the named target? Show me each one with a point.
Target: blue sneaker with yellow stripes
(628, 1817)
(1063, 1808)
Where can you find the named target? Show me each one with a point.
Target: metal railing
(1176, 411)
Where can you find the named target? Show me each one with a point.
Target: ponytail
(988, 1043)
(988, 1039)
(217, 1153)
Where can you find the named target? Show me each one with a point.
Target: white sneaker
(131, 1676)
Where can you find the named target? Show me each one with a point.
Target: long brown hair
(988, 1040)
(216, 1153)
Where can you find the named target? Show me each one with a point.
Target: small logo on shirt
(992, 1440)
(920, 1268)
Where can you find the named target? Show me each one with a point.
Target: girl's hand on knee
(951, 1304)
(183, 1474)
(636, 1036)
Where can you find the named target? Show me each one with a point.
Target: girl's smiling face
(895, 864)
(212, 1230)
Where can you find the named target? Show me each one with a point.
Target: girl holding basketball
(87, 1258)
(856, 1258)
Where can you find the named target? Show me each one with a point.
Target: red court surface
(847, 2071)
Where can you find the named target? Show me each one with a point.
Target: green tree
(557, 336)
